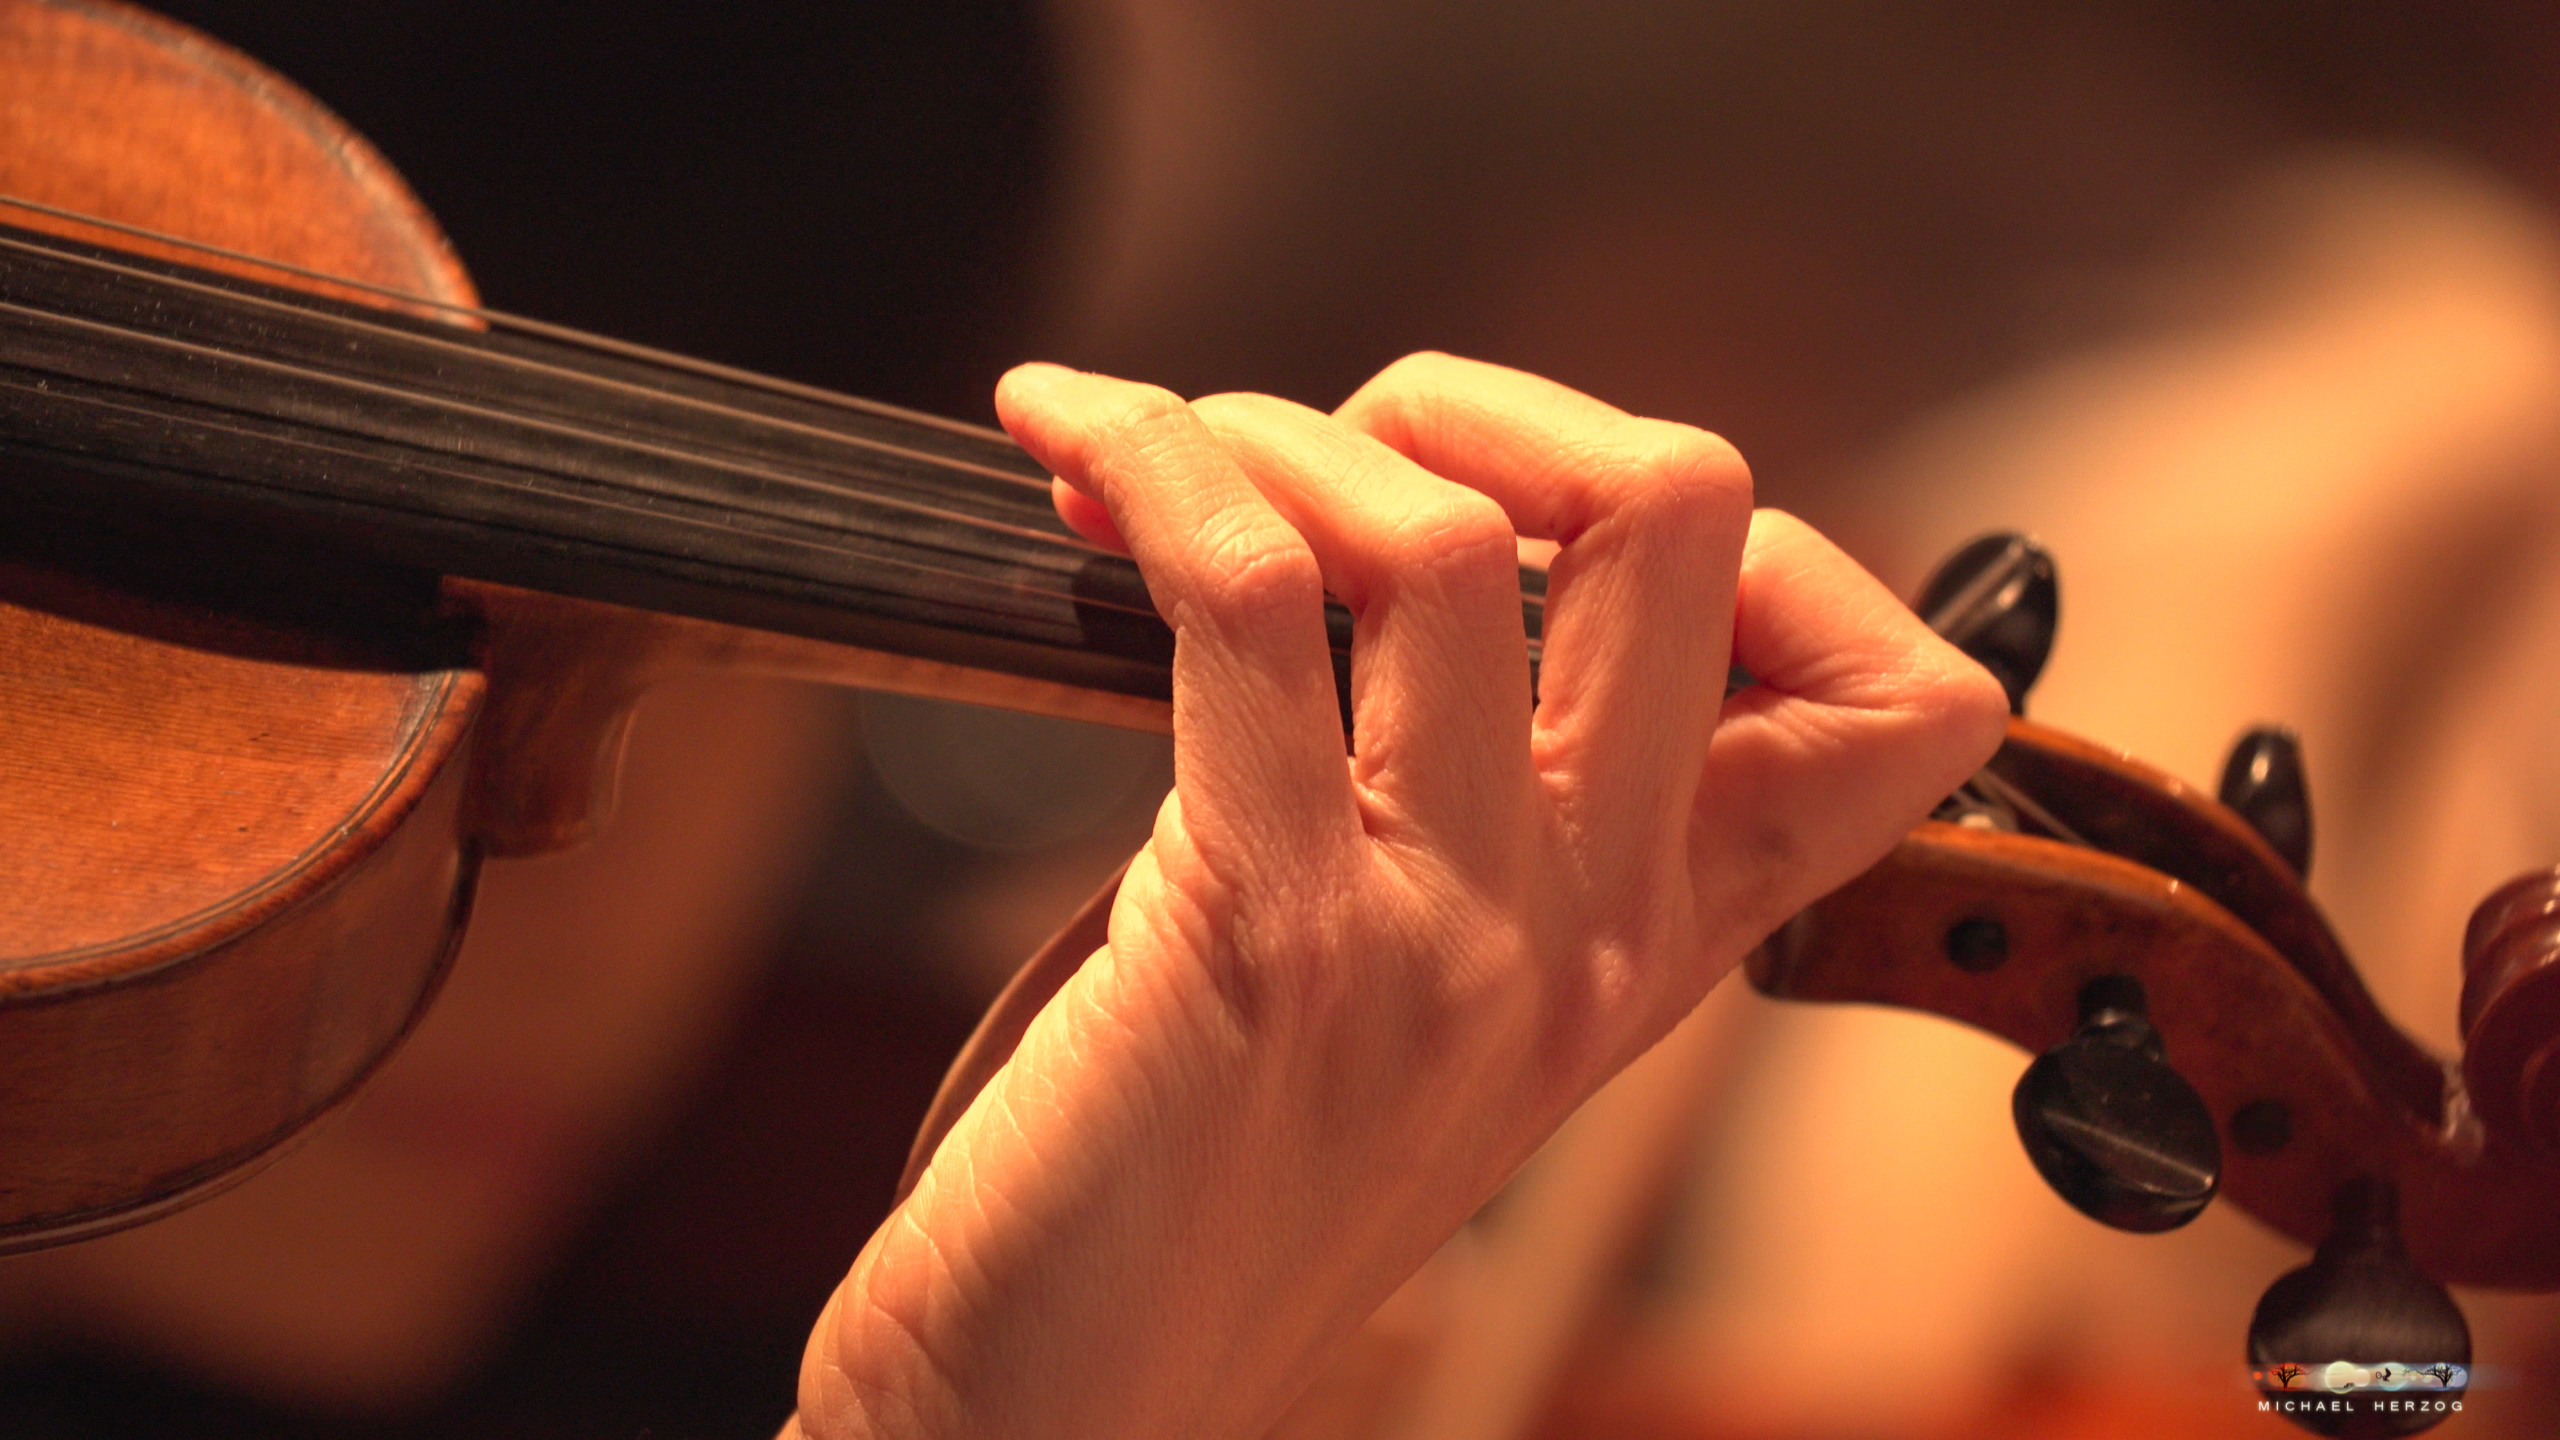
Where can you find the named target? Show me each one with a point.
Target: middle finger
(1439, 661)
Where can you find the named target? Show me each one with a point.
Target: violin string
(527, 364)
(314, 447)
(787, 479)
(639, 507)
(319, 448)
(421, 461)
(790, 479)
(587, 341)
(524, 324)
(2000, 792)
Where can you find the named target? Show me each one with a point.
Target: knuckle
(1255, 566)
(1141, 406)
(1460, 536)
(1398, 398)
(1682, 467)
(1144, 423)
(1265, 431)
(1420, 368)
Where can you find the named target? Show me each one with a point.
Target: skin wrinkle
(1216, 597)
(1387, 665)
(944, 1373)
(1410, 850)
(1242, 1003)
(1641, 467)
(1329, 972)
(871, 1396)
(967, 1190)
(821, 1367)
(854, 1361)
(1579, 739)
(1279, 828)
(1418, 565)
(982, 1195)
(1409, 402)
(1236, 1050)
(1199, 921)
(999, 1111)
(1463, 541)
(1332, 1015)
(1774, 564)
(1260, 575)
(1744, 889)
(1470, 969)
(1743, 896)
(979, 1188)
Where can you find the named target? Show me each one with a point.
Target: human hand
(1343, 999)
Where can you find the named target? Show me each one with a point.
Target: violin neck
(510, 452)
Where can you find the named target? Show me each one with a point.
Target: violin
(320, 584)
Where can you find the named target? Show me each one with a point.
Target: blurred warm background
(2249, 308)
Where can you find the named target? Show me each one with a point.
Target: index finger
(1257, 729)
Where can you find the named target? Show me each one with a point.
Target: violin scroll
(2511, 1011)
(2112, 919)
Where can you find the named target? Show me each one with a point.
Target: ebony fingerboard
(531, 456)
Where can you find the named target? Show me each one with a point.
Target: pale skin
(1344, 998)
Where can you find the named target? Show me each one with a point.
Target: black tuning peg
(1996, 600)
(2110, 1126)
(2360, 1343)
(2263, 781)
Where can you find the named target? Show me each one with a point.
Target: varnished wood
(2511, 1009)
(2241, 1021)
(217, 1045)
(114, 741)
(564, 674)
(114, 112)
(238, 834)
(232, 850)
(2138, 812)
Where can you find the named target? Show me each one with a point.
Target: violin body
(251, 770)
(246, 778)
(232, 822)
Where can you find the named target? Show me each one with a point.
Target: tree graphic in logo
(2442, 1372)
(2285, 1375)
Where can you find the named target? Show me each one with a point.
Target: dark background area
(845, 194)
